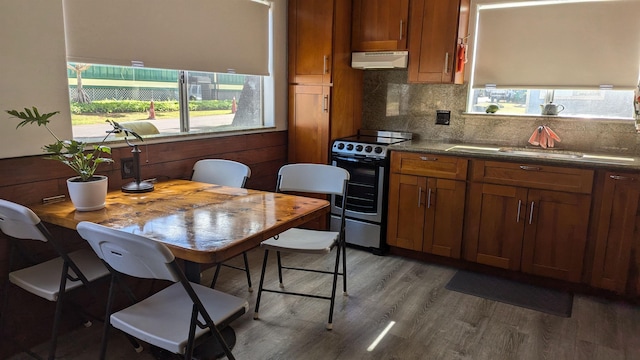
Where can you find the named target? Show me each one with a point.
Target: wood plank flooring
(431, 322)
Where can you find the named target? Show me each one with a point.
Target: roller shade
(558, 44)
(198, 35)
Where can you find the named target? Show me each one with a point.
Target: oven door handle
(357, 159)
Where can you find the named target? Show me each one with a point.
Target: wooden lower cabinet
(617, 244)
(540, 232)
(426, 214)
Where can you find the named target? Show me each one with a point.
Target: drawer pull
(624, 178)
(419, 195)
(425, 158)
(530, 168)
(401, 28)
(531, 214)
(518, 215)
(429, 199)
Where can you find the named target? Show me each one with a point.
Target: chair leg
(215, 275)
(246, 269)
(344, 269)
(264, 268)
(333, 289)
(107, 319)
(279, 269)
(58, 312)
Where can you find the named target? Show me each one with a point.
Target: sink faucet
(544, 137)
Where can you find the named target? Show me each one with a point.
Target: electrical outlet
(126, 168)
(443, 117)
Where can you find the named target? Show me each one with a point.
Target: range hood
(379, 59)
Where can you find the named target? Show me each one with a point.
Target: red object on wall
(462, 50)
(152, 112)
(234, 106)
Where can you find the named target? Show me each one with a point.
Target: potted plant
(87, 190)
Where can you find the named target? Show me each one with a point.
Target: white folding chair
(51, 279)
(317, 179)
(225, 173)
(177, 318)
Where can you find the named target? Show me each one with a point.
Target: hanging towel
(535, 137)
(544, 137)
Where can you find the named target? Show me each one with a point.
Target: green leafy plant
(71, 152)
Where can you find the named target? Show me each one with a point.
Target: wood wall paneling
(26, 180)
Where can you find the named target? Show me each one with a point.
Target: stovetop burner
(368, 143)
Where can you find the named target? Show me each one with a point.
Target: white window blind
(557, 44)
(198, 35)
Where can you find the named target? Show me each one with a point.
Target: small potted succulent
(87, 190)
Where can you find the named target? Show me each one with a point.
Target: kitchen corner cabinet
(531, 218)
(617, 244)
(434, 29)
(325, 93)
(426, 203)
(380, 25)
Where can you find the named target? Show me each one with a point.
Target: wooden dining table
(201, 223)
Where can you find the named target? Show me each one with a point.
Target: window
(149, 101)
(576, 103)
(582, 54)
(201, 64)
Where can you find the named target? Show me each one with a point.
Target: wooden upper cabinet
(433, 38)
(380, 25)
(310, 41)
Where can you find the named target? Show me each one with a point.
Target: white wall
(33, 72)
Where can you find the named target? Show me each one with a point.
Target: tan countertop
(531, 154)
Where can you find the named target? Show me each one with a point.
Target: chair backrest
(221, 172)
(128, 253)
(313, 178)
(19, 222)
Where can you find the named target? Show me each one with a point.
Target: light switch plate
(443, 117)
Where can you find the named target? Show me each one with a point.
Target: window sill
(116, 142)
(558, 117)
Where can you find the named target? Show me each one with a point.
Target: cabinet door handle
(325, 103)
(530, 168)
(446, 63)
(325, 64)
(624, 178)
(419, 195)
(531, 214)
(401, 27)
(425, 158)
(429, 199)
(518, 215)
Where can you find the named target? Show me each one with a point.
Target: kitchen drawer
(444, 167)
(534, 176)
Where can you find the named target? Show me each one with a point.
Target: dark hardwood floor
(431, 322)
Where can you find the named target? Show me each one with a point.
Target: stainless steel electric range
(366, 157)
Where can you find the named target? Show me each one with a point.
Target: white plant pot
(88, 195)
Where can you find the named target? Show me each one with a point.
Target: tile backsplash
(390, 103)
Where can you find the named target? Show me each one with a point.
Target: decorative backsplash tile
(390, 103)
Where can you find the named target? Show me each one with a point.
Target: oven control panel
(349, 148)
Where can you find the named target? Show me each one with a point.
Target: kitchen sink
(544, 154)
(474, 149)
